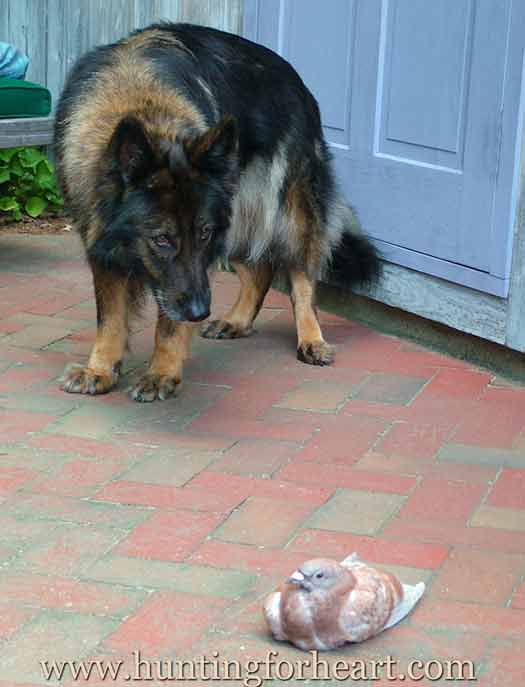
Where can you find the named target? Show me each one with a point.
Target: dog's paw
(152, 387)
(82, 380)
(221, 329)
(316, 353)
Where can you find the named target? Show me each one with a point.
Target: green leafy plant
(27, 183)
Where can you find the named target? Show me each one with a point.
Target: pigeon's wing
(358, 618)
(272, 613)
(411, 595)
(350, 560)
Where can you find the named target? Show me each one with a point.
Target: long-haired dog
(180, 145)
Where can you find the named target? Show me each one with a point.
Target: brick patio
(159, 527)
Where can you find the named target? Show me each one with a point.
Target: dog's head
(168, 222)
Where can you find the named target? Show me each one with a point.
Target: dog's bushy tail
(355, 260)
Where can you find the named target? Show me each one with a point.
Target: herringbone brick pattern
(160, 527)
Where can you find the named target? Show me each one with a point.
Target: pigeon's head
(318, 574)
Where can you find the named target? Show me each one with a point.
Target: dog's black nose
(196, 311)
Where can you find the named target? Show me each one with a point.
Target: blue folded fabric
(13, 62)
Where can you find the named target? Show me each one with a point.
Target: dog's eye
(206, 233)
(319, 575)
(162, 241)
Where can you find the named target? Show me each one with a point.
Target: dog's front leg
(101, 373)
(164, 375)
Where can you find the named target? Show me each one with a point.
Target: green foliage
(27, 183)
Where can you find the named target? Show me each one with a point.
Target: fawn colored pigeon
(325, 604)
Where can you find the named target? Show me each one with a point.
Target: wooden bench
(27, 131)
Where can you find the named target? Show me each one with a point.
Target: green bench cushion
(23, 99)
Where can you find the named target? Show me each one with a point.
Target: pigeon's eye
(319, 575)
(162, 241)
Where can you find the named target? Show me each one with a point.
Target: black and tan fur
(178, 146)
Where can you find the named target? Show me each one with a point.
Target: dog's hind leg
(237, 322)
(102, 371)
(311, 347)
(164, 375)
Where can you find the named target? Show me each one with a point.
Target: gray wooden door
(419, 100)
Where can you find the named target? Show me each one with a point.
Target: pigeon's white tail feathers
(411, 595)
(350, 560)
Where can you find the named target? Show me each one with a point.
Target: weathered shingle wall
(54, 33)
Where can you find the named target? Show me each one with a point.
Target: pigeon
(325, 604)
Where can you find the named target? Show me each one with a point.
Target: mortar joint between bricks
(453, 433)
(235, 509)
(394, 513)
(491, 485)
(24, 625)
(225, 450)
(382, 434)
(515, 588)
(213, 385)
(115, 544)
(482, 664)
(518, 585)
(357, 387)
(420, 391)
(84, 577)
(416, 485)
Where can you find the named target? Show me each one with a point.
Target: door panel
(411, 94)
(424, 88)
(304, 45)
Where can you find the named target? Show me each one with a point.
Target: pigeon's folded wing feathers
(357, 615)
(350, 560)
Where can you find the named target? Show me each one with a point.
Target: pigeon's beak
(296, 578)
(301, 580)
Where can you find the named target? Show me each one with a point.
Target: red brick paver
(160, 527)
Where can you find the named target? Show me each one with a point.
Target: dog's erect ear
(215, 151)
(131, 149)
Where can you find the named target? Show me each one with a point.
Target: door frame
(506, 189)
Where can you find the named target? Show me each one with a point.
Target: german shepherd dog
(180, 145)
